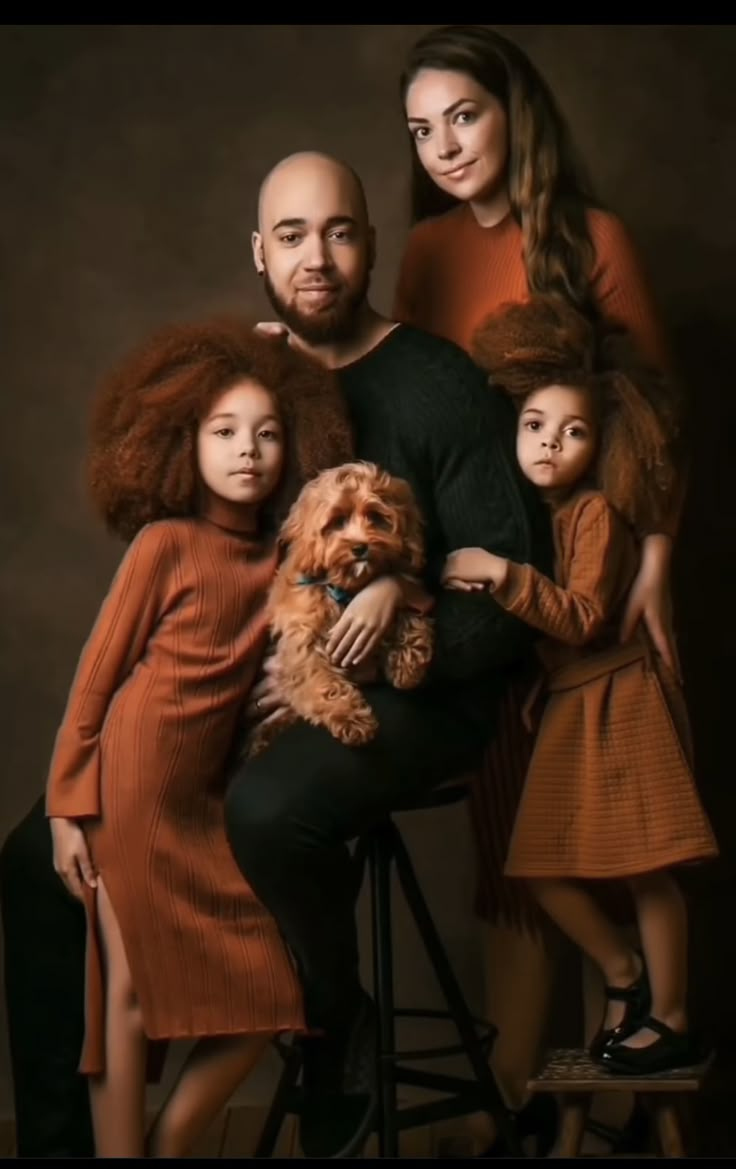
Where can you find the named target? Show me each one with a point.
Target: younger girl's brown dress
(453, 275)
(140, 759)
(609, 792)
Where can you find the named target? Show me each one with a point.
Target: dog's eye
(337, 522)
(378, 519)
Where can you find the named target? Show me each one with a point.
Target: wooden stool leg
(575, 1110)
(668, 1126)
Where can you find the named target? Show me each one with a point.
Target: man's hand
(71, 856)
(359, 629)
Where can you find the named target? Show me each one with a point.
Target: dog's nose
(359, 551)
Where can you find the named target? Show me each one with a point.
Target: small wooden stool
(571, 1074)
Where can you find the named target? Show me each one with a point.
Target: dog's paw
(407, 652)
(405, 675)
(405, 667)
(356, 729)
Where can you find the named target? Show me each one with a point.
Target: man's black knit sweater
(424, 411)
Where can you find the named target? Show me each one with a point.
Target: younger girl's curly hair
(526, 347)
(142, 454)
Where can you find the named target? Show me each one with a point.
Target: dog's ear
(412, 524)
(292, 528)
(413, 536)
(300, 538)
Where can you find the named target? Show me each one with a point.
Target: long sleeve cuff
(515, 589)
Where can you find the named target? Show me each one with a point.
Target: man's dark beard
(336, 324)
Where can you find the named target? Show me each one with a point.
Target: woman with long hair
(502, 209)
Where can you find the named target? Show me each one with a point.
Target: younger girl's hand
(359, 629)
(71, 856)
(464, 586)
(474, 567)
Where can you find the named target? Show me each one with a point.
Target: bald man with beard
(423, 410)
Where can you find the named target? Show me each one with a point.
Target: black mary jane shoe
(671, 1050)
(638, 999)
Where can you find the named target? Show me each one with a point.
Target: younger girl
(609, 793)
(199, 444)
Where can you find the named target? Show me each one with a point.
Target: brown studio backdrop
(131, 157)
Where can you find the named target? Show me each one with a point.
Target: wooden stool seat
(572, 1074)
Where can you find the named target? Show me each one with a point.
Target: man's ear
(371, 248)
(256, 241)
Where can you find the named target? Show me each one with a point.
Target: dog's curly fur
(348, 526)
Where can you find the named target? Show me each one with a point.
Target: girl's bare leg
(662, 916)
(215, 1067)
(518, 976)
(118, 1096)
(579, 916)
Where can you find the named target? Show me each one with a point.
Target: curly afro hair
(526, 347)
(142, 453)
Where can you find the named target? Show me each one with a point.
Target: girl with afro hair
(609, 793)
(200, 441)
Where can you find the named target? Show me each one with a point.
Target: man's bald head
(314, 245)
(301, 170)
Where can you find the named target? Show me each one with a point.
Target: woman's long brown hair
(549, 191)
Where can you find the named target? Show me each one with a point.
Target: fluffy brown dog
(348, 526)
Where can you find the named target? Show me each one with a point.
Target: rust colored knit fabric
(609, 792)
(455, 273)
(140, 754)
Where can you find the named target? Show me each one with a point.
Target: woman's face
(461, 134)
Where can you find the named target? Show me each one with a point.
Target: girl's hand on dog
(265, 703)
(359, 629)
